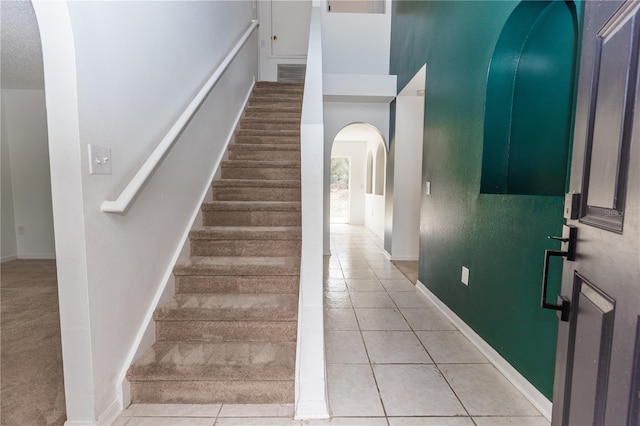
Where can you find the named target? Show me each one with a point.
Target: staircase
(229, 333)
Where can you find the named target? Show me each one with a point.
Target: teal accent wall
(501, 238)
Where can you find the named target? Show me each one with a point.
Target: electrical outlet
(465, 275)
(427, 188)
(99, 160)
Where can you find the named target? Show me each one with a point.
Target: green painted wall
(501, 238)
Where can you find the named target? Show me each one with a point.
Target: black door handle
(569, 238)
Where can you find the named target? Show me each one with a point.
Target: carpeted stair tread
(216, 361)
(262, 133)
(238, 265)
(229, 307)
(265, 147)
(276, 206)
(261, 139)
(255, 183)
(213, 392)
(284, 164)
(247, 233)
(207, 284)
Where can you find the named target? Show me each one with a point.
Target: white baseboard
(110, 415)
(8, 258)
(404, 258)
(37, 256)
(529, 391)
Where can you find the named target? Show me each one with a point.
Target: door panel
(290, 27)
(597, 379)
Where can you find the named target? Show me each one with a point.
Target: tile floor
(392, 358)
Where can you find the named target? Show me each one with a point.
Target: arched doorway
(360, 149)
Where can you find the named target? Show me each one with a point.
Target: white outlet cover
(465, 275)
(99, 160)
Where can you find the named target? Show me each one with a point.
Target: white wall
(407, 179)
(135, 66)
(374, 203)
(357, 152)
(337, 115)
(9, 247)
(356, 43)
(26, 132)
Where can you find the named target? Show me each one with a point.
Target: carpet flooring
(31, 380)
(408, 268)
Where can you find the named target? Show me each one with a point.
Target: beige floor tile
(352, 391)
(416, 390)
(174, 410)
(395, 347)
(373, 299)
(121, 421)
(381, 319)
(395, 284)
(256, 410)
(486, 392)
(348, 421)
(337, 300)
(389, 273)
(335, 285)
(407, 299)
(511, 421)
(340, 319)
(252, 421)
(365, 284)
(430, 421)
(358, 273)
(171, 421)
(345, 347)
(427, 319)
(450, 347)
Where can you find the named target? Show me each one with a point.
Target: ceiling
(20, 50)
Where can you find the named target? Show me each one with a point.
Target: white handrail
(121, 204)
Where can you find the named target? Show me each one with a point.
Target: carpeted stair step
(212, 392)
(238, 265)
(263, 133)
(246, 241)
(229, 307)
(261, 89)
(259, 139)
(269, 152)
(160, 375)
(251, 213)
(256, 190)
(275, 101)
(266, 110)
(278, 170)
(226, 331)
(208, 284)
(269, 123)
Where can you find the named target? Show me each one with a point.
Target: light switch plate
(465, 275)
(99, 160)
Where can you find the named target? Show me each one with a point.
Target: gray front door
(597, 378)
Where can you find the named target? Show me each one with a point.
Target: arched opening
(529, 101)
(30, 307)
(364, 148)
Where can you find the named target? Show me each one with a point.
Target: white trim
(9, 258)
(387, 255)
(168, 273)
(111, 414)
(404, 258)
(37, 256)
(121, 204)
(525, 387)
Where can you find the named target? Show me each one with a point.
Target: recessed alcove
(528, 111)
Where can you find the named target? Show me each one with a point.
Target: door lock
(568, 239)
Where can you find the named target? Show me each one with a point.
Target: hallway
(392, 358)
